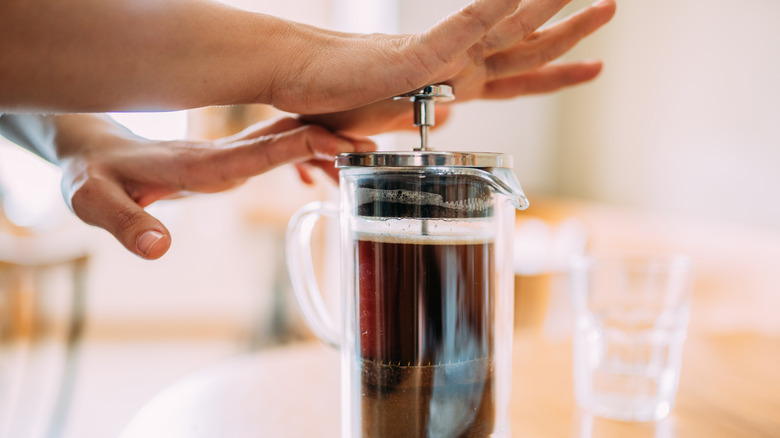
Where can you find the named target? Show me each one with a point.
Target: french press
(427, 287)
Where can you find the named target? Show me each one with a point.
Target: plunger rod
(424, 137)
(424, 117)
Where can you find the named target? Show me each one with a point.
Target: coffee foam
(428, 239)
(411, 197)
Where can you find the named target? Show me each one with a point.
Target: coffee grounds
(437, 401)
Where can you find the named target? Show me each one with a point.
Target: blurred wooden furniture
(737, 267)
(730, 384)
(729, 387)
(221, 121)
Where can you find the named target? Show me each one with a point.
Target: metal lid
(424, 159)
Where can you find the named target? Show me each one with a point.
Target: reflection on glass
(586, 425)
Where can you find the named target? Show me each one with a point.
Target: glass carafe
(427, 292)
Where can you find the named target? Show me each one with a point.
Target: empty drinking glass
(631, 321)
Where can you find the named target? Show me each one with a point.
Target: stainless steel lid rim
(424, 159)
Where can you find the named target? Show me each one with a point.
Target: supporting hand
(110, 175)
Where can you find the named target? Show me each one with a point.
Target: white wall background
(685, 118)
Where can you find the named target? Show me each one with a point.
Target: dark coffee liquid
(425, 315)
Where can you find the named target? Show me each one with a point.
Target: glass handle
(301, 269)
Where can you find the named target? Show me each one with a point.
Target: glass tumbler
(631, 322)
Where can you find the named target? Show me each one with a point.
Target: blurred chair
(41, 320)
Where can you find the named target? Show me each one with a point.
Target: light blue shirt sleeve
(34, 132)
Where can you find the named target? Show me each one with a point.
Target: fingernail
(600, 3)
(147, 240)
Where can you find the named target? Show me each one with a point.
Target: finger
(458, 32)
(545, 79)
(304, 173)
(327, 167)
(251, 157)
(361, 143)
(543, 46)
(102, 203)
(273, 126)
(528, 17)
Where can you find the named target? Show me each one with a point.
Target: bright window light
(158, 125)
(30, 188)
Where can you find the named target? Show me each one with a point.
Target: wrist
(301, 55)
(77, 136)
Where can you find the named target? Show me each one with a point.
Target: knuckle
(476, 54)
(533, 36)
(317, 131)
(471, 14)
(522, 25)
(542, 56)
(313, 136)
(490, 43)
(189, 165)
(287, 123)
(78, 201)
(81, 190)
(492, 68)
(419, 57)
(263, 151)
(128, 218)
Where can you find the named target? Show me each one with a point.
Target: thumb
(102, 203)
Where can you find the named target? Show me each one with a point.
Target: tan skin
(110, 174)
(522, 70)
(491, 49)
(94, 55)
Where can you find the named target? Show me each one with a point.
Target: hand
(109, 185)
(516, 64)
(491, 49)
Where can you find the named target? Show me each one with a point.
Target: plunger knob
(424, 107)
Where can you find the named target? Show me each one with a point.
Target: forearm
(97, 55)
